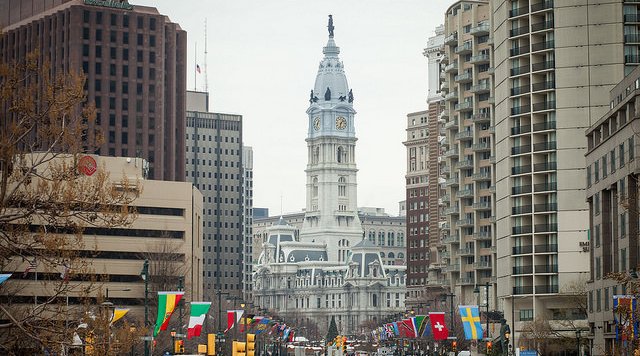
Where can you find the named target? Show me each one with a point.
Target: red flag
(409, 331)
(438, 326)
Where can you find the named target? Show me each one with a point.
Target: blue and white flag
(470, 315)
(4, 277)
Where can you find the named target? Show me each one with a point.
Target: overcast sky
(262, 62)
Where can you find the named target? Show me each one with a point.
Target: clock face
(316, 123)
(341, 123)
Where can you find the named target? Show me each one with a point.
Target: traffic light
(489, 346)
(180, 346)
(176, 346)
(239, 348)
(211, 344)
(344, 345)
(338, 341)
(251, 344)
(454, 346)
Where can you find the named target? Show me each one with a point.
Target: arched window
(372, 236)
(400, 239)
(339, 154)
(375, 300)
(342, 187)
(382, 254)
(400, 255)
(380, 238)
(391, 255)
(314, 187)
(391, 239)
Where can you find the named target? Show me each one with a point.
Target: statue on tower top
(330, 26)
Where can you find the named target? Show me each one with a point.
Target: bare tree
(46, 202)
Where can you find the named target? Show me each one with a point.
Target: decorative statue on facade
(312, 98)
(351, 95)
(327, 94)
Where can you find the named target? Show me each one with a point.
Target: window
(612, 157)
(589, 176)
(623, 260)
(526, 314)
(604, 166)
(342, 187)
(621, 154)
(596, 203)
(631, 149)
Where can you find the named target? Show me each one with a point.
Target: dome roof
(331, 81)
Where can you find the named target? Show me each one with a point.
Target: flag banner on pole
(167, 302)
(292, 335)
(409, 330)
(4, 277)
(233, 316)
(420, 323)
(262, 326)
(438, 326)
(198, 69)
(197, 315)
(624, 307)
(396, 332)
(285, 334)
(118, 313)
(470, 315)
(246, 321)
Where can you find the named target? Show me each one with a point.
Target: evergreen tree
(333, 330)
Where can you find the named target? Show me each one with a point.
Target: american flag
(198, 68)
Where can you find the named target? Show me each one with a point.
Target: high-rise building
(247, 228)
(214, 165)
(331, 268)
(612, 194)
(555, 63)
(134, 60)
(423, 205)
(467, 158)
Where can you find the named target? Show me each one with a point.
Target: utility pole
(181, 288)
(145, 276)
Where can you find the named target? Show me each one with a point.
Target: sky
(262, 60)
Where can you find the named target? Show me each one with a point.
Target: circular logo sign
(87, 165)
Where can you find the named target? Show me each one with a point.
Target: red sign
(87, 165)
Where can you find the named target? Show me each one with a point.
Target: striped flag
(4, 277)
(167, 302)
(118, 313)
(199, 311)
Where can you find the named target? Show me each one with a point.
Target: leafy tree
(46, 203)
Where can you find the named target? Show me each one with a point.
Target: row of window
(603, 167)
(119, 19)
(229, 152)
(608, 294)
(113, 37)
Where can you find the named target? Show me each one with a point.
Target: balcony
(481, 176)
(518, 130)
(632, 38)
(544, 25)
(464, 164)
(453, 268)
(518, 31)
(444, 86)
(546, 289)
(516, 51)
(453, 96)
(467, 281)
(445, 169)
(445, 198)
(479, 58)
(522, 209)
(542, 46)
(551, 84)
(467, 251)
(483, 235)
(548, 4)
(519, 11)
(523, 89)
(451, 67)
(544, 146)
(543, 126)
(524, 229)
(465, 193)
(520, 70)
(464, 106)
(545, 207)
(481, 88)
(543, 187)
(546, 268)
(452, 210)
(444, 114)
(464, 48)
(451, 239)
(451, 153)
(482, 146)
(452, 182)
(521, 169)
(451, 39)
(481, 117)
(547, 248)
(543, 66)
(631, 58)
(464, 135)
(482, 265)
(523, 290)
(547, 227)
(520, 149)
(546, 166)
(483, 205)
(522, 250)
(523, 270)
(631, 17)
(518, 110)
(464, 223)
(451, 124)
(464, 77)
(547, 105)
(480, 30)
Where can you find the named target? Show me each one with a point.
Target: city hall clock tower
(331, 214)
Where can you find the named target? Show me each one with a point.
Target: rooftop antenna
(280, 204)
(206, 80)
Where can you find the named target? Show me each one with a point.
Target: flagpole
(195, 68)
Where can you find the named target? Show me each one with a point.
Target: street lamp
(578, 332)
(453, 320)
(145, 276)
(173, 340)
(476, 291)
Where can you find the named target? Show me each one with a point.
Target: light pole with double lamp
(476, 291)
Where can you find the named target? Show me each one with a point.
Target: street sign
(146, 338)
(181, 335)
(528, 353)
